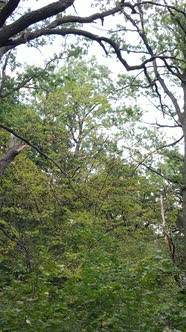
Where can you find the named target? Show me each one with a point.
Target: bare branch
(78, 32)
(154, 3)
(88, 19)
(32, 146)
(142, 162)
(7, 10)
(15, 151)
(165, 126)
(9, 157)
(168, 92)
(159, 174)
(32, 17)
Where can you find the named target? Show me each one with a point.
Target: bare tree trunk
(9, 157)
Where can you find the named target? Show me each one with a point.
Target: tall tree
(160, 33)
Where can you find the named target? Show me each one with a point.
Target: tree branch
(159, 173)
(78, 32)
(88, 19)
(32, 17)
(168, 93)
(9, 157)
(31, 145)
(7, 10)
(142, 162)
(15, 151)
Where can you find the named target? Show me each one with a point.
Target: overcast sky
(32, 56)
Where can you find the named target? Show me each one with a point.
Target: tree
(64, 263)
(78, 250)
(163, 52)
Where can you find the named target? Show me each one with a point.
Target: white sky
(32, 56)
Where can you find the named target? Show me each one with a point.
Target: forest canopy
(92, 197)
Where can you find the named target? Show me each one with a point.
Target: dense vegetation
(91, 218)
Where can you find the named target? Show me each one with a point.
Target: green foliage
(82, 249)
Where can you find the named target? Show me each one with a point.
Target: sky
(33, 56)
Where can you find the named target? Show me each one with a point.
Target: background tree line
(92, 202)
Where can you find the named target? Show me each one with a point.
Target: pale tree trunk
(182, 120)
(9, 156)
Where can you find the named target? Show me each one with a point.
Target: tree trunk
(9, 157)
